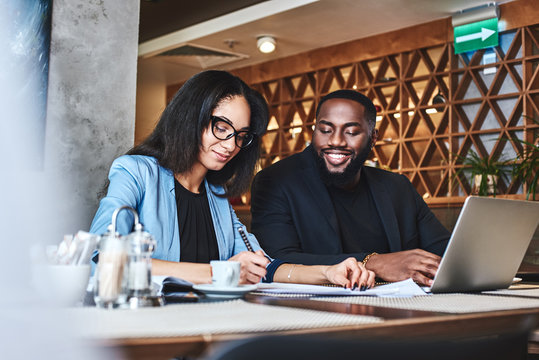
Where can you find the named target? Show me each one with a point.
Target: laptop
(489, 241)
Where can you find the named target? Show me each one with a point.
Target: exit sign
(477, 35)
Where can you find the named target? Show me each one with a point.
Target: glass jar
(109, 287)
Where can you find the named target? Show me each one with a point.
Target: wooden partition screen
(489, 96)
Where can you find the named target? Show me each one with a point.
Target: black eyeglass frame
(235, 133)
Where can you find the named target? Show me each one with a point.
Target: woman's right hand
(351, 274)
(253, 266)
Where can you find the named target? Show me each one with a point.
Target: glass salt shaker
(140, 245)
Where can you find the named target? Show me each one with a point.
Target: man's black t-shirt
(361, 229)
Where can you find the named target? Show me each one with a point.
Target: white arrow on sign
(484, 34)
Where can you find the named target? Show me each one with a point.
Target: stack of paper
(401, 288)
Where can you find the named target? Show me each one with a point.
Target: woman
(202, 151)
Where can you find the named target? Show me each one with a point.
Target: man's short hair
(370, 109)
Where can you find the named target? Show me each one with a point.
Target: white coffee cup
(63, 284)
(225, 273)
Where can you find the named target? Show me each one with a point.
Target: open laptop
(487, 246)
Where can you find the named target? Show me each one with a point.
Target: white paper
(401, 288)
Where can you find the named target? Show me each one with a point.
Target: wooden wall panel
(402, 71)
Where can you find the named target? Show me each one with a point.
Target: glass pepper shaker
(110, 280)
(109, 275)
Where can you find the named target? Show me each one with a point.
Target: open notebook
(487, 245)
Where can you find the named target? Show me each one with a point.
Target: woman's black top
(198, 242)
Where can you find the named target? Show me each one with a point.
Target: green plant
(526, 164)
(479, 167)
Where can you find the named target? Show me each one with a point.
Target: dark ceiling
(160, 17)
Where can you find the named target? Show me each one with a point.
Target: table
(395, 323)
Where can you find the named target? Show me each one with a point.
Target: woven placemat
(533, 293)
(447, 303)
(235, 316)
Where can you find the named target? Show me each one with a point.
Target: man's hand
(253, 266)
(417, 264)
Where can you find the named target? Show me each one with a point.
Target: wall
(333, 67)
(91, 101)
(481, 112)
(515, 14)
(151, 99)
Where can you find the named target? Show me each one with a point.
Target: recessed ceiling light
(265, 44)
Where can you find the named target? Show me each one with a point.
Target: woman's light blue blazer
(140, 182)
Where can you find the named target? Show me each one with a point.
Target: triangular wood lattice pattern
(482, 111)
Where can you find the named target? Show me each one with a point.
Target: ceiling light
(265, 44)
(478, 13)
(437, 101)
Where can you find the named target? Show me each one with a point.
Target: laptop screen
(487, 245)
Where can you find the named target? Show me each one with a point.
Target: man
(322, 205)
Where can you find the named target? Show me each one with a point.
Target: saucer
(230, 292)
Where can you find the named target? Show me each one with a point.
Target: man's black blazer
(294, 219)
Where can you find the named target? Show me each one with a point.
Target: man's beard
(341, 179)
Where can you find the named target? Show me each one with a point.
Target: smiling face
(214, 153)
(342, 140)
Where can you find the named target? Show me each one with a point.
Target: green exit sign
(477, 35)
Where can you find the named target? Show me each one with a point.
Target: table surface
(398, 323)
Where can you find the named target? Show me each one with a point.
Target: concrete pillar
(91, 101)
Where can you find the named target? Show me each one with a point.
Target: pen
(245, 240)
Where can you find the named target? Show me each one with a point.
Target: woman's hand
(253, 266)
(350, 274)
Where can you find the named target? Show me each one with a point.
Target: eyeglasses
(222, 129)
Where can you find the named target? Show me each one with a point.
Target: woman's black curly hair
(176, 139)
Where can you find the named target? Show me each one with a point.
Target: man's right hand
(417, 264)
(253, 266)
